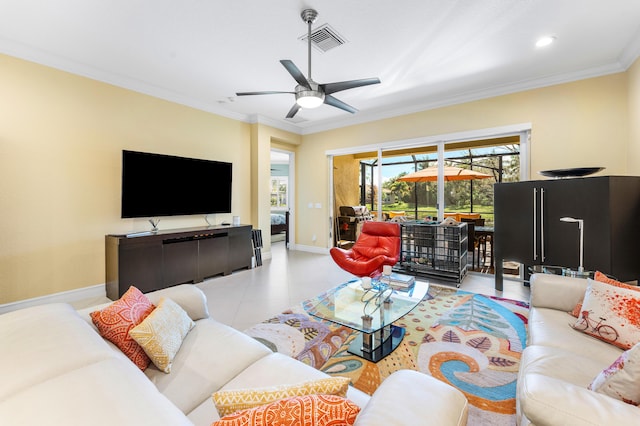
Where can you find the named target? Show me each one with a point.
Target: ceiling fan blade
(330, 100)
(295, 73)
(294, 109)
(330, 88)
(261, 93)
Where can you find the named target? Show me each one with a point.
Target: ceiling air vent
(324, 38)
(296, 120)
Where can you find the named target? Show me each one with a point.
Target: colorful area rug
(470, 341)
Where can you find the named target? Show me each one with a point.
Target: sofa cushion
(556, 291)
(43, 342)
(621, 380)
(109, 392)
(188, 296)
(552, 390)
(115, 321)
(277, 369)
(308, 410)
(211, 355)
(162, 332)
(550, 327)
(427, 398)
(611, 314)
(230, 401)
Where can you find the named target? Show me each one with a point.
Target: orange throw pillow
(115, 321)
(309, 410)
(599, 276)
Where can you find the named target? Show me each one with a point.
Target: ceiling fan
(308, 93)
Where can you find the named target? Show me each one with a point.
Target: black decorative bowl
(575, 172)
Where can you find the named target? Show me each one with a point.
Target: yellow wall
(61, 138)
(263, 138)
(633, 75)
(583, 123)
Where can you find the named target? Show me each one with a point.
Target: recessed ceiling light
(545, 41)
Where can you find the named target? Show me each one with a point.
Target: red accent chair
(377, 245)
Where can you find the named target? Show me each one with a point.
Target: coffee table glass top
(347, 304)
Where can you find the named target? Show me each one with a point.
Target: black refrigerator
(528, 229)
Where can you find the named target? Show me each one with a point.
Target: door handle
(542, 224)
(535, 223)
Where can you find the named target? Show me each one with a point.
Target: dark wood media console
(152, 261)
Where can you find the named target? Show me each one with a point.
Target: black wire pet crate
(438, 251)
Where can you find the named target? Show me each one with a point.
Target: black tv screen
(164, 185)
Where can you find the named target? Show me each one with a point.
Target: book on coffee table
(401, 280)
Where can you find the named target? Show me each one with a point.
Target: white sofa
(559, 363)
(55, 369)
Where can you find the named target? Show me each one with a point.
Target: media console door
(213, 256)
(158, 260)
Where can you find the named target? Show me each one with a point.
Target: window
(279, 192)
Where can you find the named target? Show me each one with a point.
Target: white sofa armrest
(556, 291)
(411, 398)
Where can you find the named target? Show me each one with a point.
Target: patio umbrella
(430, 174)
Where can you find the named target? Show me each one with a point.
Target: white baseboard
(310, 249)
(69, 296)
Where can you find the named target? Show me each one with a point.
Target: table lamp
(580, 223)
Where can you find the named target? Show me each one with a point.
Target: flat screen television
(163, 185)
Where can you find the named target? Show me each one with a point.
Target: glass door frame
(523, 130)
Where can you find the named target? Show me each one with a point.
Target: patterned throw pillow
(162, 332)
(309, 410)
(621, 379)
(599, 276)
(115, 321)
(230, 401)
(611, 314)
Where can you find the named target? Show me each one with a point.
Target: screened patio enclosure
(419, 200)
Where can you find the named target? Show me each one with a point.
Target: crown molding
(630, 53)
(626, 59)
(491, 92)
(27, 53)
(278, 124)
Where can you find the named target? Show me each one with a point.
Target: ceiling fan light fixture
(309, 99)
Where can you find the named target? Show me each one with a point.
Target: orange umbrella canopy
(430, 174)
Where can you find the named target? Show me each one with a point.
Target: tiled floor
(245, 298)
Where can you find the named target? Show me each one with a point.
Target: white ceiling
(427, 53)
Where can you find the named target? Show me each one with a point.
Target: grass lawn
(486, 212)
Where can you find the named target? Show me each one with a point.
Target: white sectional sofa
(559, 363)
(55, 369)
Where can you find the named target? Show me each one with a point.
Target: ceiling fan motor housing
(313, 94)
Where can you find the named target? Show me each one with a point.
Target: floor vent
(325, 38)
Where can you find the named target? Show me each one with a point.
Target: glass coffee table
(370, 312)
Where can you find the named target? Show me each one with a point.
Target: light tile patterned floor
(289, 277)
